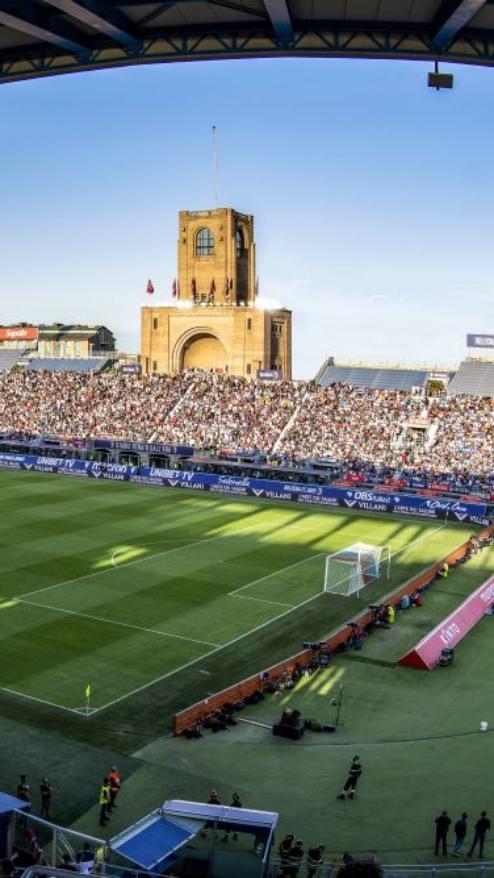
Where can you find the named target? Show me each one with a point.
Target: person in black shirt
(460, 833)
(285, 846)
(235, 803)
(24, 794)
(482, 825)
(213, 799)
(24, 791)
(315, 858)
(295, 857)
(351, 782)
(46, 790)
(443, 822)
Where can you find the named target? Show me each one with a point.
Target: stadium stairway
(176, 408)
(289, 423)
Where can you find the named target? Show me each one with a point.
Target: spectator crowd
(366, 431)
(223, 411)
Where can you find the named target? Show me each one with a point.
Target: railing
(430, 870)
(279, 870)
(103, 868)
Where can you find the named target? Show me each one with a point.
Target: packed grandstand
(365, 430)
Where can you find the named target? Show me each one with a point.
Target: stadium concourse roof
(46, 37)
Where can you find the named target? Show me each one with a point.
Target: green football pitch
(119, 587)
(157, 597)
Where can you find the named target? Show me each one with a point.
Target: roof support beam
(280, 19)
(24, 18)
(452, 17)
(91, 13)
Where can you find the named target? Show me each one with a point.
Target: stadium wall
(422, 506)
(451, 630)
(199, 711)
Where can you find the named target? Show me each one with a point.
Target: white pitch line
(39, 700)
(231, 642)
(199, 658)
(29, 594)
(246, 597)
(115, 622)
(206, 654)
(419, 539)
(276, 573)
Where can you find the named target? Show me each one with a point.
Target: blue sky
(372, 196)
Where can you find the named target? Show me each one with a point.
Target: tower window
(249, 323)
(249, 369)
(239, 239)
(155, 323)
(204, 243)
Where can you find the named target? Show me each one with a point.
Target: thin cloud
(387, 298)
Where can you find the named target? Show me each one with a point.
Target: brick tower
(214, 321)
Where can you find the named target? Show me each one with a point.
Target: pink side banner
(451, 630)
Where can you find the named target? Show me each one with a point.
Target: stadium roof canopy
(46, 37)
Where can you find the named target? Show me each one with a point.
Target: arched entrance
(203, 350)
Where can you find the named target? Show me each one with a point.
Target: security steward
(315, 858)
(104, 801)
(114, 783)
(354, 773)
(285, 846)
(284, 849)
(295, 858)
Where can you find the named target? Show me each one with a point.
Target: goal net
(351, 569)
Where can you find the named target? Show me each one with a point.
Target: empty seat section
(382, 379)
(9, 358)
(473, 379)
(94, 364)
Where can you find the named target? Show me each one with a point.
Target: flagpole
(215, 167)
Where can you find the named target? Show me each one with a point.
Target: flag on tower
(150, 287)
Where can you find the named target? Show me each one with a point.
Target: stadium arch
(47, 37)
(199, 347)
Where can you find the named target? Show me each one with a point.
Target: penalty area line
(113, 568)
(246, 597)
(192, 662)
(236, 591)
(115, 622)
(205, 655)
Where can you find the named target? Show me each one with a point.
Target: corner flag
(88, 691)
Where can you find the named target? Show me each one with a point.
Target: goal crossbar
(349, 570)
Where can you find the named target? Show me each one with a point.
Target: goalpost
(348, 571)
